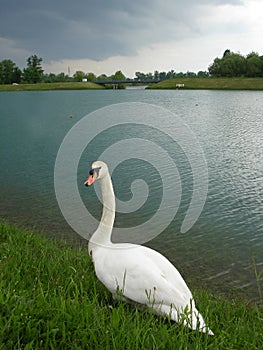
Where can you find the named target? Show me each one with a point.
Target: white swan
(141, 274)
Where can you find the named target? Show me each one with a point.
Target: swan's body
(141, 274)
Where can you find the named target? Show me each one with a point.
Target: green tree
(149, 76)
(49, 78)
(53, 78)
(162, 75)
(202, 74)
(103, 77)
(79, 75)
(230, 65)
(226, 53)
(180, 75)
(171, 74)
(156, 74)
(227, 67)
(215, 68)
(118, 75)
(33, 73)
(9, 72)
(240, 65)
(254, 65)
(190, 74)
(140, 76)
(91, 76)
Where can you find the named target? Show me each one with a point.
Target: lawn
(50, 298)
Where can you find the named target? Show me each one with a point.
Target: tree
(171, 74)
(156, 74)
(79, 75)
(226, 53)
(33, 73)
(53, 78)
(254, 65)
(9, 72)
(149, 76)
(202, 74)
(240, 67)
(140, 76)
(162, 75)
(102, 77)
(227, 67)
(180, 75)
(118, 75)
(215, 68)
(230, 65)
(190, 74)
(91, 76)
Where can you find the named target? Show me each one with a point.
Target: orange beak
(91, 178)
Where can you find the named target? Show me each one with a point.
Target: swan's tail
(189, 316)
(196, 321)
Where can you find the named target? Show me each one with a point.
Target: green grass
(189, 83)
(51, 86)
(51, 299)
(212, 83)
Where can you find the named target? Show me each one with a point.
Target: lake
(214, 138)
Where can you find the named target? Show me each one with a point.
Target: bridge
(128, 81)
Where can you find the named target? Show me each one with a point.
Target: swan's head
(98, 171)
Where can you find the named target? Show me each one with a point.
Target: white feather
(141, 274)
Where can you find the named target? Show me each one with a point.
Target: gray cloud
(95, 29)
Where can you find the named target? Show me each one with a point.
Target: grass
(50, 298)
(189, 83)
(51, 86)
(212, 84)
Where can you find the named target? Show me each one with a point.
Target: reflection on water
(217, 252)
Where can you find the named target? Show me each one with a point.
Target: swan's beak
(90, 180)
(93, 174)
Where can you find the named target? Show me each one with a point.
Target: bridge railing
(129, 81)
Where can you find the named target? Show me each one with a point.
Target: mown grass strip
(211, 84)
(189, 83)
(52, 86)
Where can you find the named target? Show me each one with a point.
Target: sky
(104, 36)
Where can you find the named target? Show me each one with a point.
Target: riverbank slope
(178, 83)
(51, 86)
(211, 84)
(50, 298)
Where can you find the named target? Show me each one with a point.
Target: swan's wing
(168, 270)
(158, 280)
(143, 275)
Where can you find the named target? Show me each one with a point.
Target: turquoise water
(217, 251)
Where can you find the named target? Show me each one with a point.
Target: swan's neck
(102, 236)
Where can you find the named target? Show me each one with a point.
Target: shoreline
(51, 87)
(253, 84)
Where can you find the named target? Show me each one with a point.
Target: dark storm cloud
(96, 29)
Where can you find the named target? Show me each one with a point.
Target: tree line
(235, 65)
(229, 65)
(11, 74)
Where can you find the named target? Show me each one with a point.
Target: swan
(137, 273)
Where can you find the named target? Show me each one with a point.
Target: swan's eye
(94, 170)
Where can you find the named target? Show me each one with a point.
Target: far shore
(51, 86)
(211, 84)
(170, 84)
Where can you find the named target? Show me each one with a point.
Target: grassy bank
(212, 84)
(50, 299)
(189, 83)
(51, 86)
